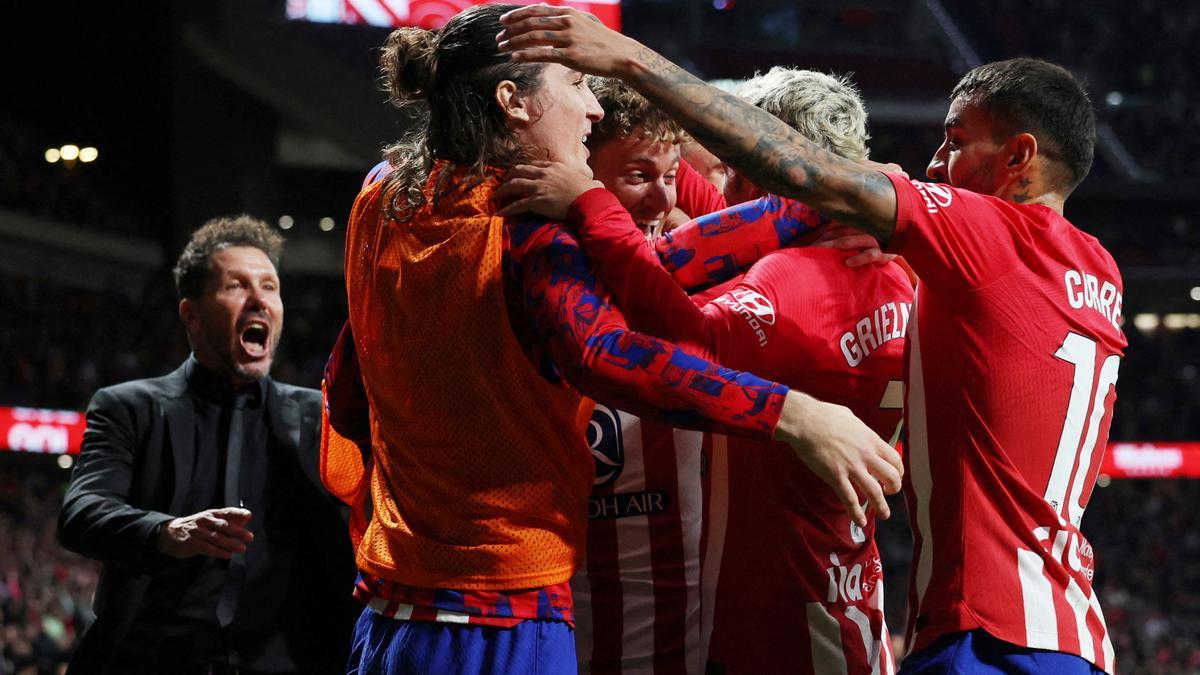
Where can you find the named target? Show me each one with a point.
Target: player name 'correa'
(1085, 290)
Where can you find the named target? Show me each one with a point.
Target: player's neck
(1030, 189)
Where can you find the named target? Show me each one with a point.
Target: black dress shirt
(179, 615)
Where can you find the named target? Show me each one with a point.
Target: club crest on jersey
(755, 308)
(936, 195)
(607, 446)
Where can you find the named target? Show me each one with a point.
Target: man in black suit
(199, 491)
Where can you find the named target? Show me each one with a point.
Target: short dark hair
(194, 266)
(1041, 98)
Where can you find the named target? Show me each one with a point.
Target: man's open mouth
(255, 338)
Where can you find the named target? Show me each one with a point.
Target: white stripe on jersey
(864, 628)
(444, 616)
(889, 659)
(718, 520)
(637, 585)
(1041, 620)
(1106, 644)
(825, 638)
(918, 466)
(1079, 606)
(688, 458)
(629, 558)
(379, 606)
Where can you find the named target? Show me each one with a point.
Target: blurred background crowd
(199, 120)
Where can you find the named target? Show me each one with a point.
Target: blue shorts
(978, 652)
(383, 645)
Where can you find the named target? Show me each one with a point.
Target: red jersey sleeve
(721, 245)
(648, 295)
(955, 239)
(695, 196)
(591, 345)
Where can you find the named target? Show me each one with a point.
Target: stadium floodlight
(88, 154)
(326, 224)
(53, 155)
(286, 222)
(69, 153)
(1195, 293)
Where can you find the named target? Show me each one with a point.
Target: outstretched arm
(590, 343)
(708, 250)
(772, 154)
(719, 246)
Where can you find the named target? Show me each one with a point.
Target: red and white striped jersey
(637, 597)
(1011, 371)
(789, 583)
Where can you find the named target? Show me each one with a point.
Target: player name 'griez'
(1085, 290)
(888, 322)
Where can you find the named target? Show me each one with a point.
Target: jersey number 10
(1089, 391)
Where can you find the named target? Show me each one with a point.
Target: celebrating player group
(598, 413)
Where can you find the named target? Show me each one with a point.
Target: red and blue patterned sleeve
(721, 245)
(592, 348)
(650, 298)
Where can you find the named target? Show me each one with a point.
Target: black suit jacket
(132, 476)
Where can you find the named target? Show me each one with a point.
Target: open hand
(543, 187)
(842, 451)
(218, 533)
(568, 36)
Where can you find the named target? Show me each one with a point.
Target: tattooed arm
(769, 152)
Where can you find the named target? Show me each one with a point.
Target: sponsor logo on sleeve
(936, 196)
(754, 307)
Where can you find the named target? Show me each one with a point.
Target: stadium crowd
(45, 592)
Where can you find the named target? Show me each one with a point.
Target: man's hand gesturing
(216, 532)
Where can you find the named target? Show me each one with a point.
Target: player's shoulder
(830, 264)
(1088, 246)
(171, 385)
(368, 205)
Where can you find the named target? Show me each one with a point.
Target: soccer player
(1013, 352)
(467, 327)
(778, 542)
(637, 597)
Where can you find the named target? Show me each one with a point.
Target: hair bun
(409, 64)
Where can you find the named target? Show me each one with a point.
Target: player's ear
(512, 103)
(1021, 149)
